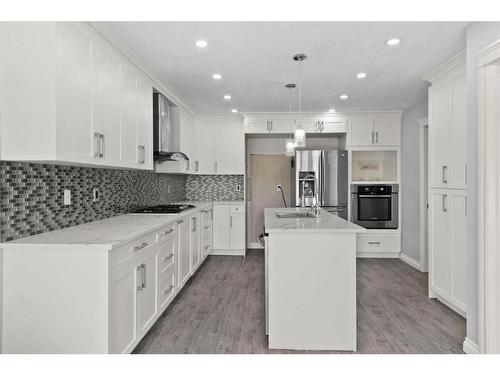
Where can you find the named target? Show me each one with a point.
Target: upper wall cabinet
(377, 131)
(447, 141)
(229, 147)
(284, 123)
(68, 96)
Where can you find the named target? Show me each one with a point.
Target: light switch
(67, 197)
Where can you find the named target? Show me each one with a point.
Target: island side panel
(55, 300)
(312, 291)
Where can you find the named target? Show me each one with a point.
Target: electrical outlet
(278, 187)
(238, 187)
(95, 194)
(67, 197)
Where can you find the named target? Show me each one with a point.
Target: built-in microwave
(375, 206)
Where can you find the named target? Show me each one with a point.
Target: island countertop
(324, 222)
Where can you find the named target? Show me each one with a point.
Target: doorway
(267, 172)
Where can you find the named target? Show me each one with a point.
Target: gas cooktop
(164, 209)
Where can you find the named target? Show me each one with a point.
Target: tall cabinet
(448, 184)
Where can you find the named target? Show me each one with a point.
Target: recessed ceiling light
(331, 110)
(344, 96)
(361, 75)
(216, 76)
(227, 97)
(234, 110)
(393, 41)
(201, 43)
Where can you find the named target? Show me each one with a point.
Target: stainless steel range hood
(163, 149)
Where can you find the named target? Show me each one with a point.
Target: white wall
(410, 179)
(479, 36)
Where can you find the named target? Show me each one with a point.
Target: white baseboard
(254, 245)
(381, 254)
(412, 262)
(470, 347)
(239, 252)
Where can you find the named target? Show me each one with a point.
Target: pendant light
(290, 142)
(300, 133)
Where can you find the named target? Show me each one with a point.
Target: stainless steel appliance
(164, 209)
(321, 174)
(163, 148)
(375, 206)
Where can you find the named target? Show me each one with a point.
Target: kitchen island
(310, 280)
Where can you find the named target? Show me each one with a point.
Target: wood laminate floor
(221, 310)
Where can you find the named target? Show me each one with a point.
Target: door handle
(141, 246)
(143, 275)
(97, 145)
(139, 274)
(102, 145)
(444, 173)
(445, 203)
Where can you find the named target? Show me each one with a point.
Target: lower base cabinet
(378, 245)
(228, 229)
(71, 299)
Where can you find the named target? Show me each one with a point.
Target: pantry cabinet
(447, 247)
(228, 229)
(76, 98)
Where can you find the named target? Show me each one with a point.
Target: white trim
(423, 157)
(488, 54)
(410, 261)
(380, 254)
(470, 347)
(240, 252)
(448, 66)
(255, 246)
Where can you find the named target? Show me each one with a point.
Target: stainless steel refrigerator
(321, 174)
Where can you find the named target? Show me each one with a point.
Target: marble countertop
(324, 222)
(109, 233)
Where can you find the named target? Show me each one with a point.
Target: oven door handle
(375, 196)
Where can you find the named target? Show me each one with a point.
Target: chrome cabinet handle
(196, 166)
(445, 203)
(444, 172)
(193, 220)
(187, 165)
(168, 232)
(373, 137)
(102, 144)
(207, 246)
(141, 154)
(215, 167)
(207, 226)
(143, 275)
(141, 246)
(97, 145)
(140, 274)
(180, 221)
(376, 137)
(168, 257)
(374, 242)
(168, 290)
(231, 221)
(269, 126)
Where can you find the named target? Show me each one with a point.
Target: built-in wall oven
(375, 206)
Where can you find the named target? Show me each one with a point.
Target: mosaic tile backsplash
(214, 187)
(31, 195)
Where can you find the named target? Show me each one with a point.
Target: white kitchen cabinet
(82, 93)
(447, 247)
(447, 133)
(147, 292)
(206, 232)
(229, 148)
(270, 125)
(144, 130)
(228, 229)
(184, 229)
(378, 245)
(286, 123)
(195, 243)
(374, 131)
(204, 163)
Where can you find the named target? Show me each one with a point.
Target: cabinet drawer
(378, 243)
(237, 209)
(167, 253)
(166, 233)
(166, 286)
(132, 249)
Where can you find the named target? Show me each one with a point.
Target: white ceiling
(255, 60)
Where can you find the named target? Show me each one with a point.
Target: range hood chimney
(162, 132)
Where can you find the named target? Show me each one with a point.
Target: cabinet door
(107, 103)
(360, 132)
(129, 109)
(229, 159)
(123, 308)
(333, 126)
(147, 306)
(439, 242)
(258, 126)
(439, 135)
(184, 252)
(237, 231)
(188, 140)
(457, 148)
(75, 77)
(387, 131)
(195, 242)
(220, 224)
(458, 246)
(205, 149)
(311, 126)
(144, 121)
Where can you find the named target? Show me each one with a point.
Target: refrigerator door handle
(322, 178)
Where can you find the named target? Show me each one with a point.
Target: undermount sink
(296, 215)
